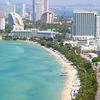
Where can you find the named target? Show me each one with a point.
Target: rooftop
(86, 11)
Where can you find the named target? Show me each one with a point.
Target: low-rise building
(92, 46)
(28, 34)
(73, 43)
(33, 33)
(88, 48)
(46, 34)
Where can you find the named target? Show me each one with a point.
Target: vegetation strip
(87, 75)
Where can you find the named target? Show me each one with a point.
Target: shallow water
(28, 72)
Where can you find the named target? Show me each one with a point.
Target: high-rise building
(84, 24)
(16, 20)
(47, 17)
(23, 10)
(39, 7)
(98, 26)
(6, 9)
(2, 23)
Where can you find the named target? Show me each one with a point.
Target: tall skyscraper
(98, 26)
(84, 24)
(23, 10)
(39, 7)
(6, 9)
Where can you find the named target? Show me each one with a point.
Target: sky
(59, 2)
(72, 2)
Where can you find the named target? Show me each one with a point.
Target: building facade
(2, 23)
(16, 20)
(39, 7)
(46, 34)
(6, 9)
(27, 34)
(84, 24)
(23, 10)
(98, 26)
(47, 17)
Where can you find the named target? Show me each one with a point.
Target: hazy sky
(69, 2)
(60, 2)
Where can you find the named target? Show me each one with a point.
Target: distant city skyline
(58, 2)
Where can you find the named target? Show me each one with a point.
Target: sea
(28, 72)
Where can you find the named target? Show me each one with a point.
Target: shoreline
(67, 70)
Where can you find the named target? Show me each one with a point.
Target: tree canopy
(86, 74)
(96, 59)
(8, 28)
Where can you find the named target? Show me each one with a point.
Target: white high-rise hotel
(39, 7)
(23, 10)
(86, 25)
(2, 23)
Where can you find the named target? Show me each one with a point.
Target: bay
(28, 72)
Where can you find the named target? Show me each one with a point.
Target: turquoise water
(27, 72)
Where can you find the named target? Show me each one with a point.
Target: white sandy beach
(66, 70)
